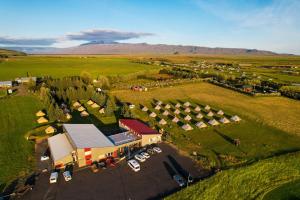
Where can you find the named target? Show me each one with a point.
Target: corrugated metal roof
(86, 136)
(60, 146)
(138, 127)
(122, 138)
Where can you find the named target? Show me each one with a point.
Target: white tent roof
(60, 146)
(86, 136)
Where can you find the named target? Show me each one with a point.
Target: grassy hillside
(68, 66)
(251, 182)
(278, 112)
(8, 53)
(17, 116)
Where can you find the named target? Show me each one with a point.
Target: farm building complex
(84, 143)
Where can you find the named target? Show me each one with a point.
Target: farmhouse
(235, 118)
(42, 120)
(187, 127)
(201, 125)
(40, 114)
(5, 84)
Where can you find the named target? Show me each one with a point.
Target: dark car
(102, 164)
(179, 180)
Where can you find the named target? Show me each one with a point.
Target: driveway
(154, 181)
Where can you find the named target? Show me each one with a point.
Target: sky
(255, 24)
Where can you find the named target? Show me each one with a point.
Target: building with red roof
(140, 129)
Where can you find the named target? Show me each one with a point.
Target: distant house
(90, 102)
(167, 106)
(210, 114)
(76, 104)
(157, 107)
(25, 79)
(81, 108)
(102, 110)
(5, 84)
(207, 107)
(187, 118)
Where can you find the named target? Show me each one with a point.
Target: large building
(84, 143)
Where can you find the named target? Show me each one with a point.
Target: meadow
(250, 182)
(59, 66)
(17, 116)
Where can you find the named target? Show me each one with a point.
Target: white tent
(210, 114)
(76, 104)
(166, 113)
(95, 105)
(159, 103)
(162, 122)
(167, 106)
(187, 127)
(235, 118)
(207, 107)
(199, 116)
(177, 111)
(220, 112)
(145, 109)
(102, 110)
(187, 110)
(157, 107)
(197, 109)
(187, 118)
(90, 102)
(84, 114)
(201, 125)
(153, 114)
(213, 122)
(224, 120)
(178, 105)
(187, 104)
(175, 120)
(81, 108)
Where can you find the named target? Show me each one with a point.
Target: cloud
(98, 35)
(27, 41)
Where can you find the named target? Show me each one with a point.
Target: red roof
(138, 127)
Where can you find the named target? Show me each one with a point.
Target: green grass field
(290, 190)
(251, 182)
(17, 116)
(69, 66)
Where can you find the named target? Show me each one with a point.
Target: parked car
(145, 155)
(190, 179)
(139, 158)
(157, 149)
(179, 180)
(102, 164)
(67, 176)
(43, 158)
(53, 177)
(134, 165)
(150, 151)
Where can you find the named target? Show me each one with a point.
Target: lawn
(290, 190)
(17, 116)
(251, 182)
(69, 65)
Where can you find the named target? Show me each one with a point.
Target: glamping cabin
(187, 127)
(157, 107)
(50, 130)
(187, 104)
(213, 122)
(162, 122)
(81, 108)
(175, 120)
(40, 114)
(153, 114)
(102, 110)
(166, 113)
(199, 116)
(145, 109)
(210, 114)
(167, 106)
(177, 111)
(207, 107)
(42, 120)
(158, 103)
(84, 114)
(187, 110)
(187, 118)
(95, 105)
(220, 112)
(224, 120)
(90, 102)
(178, 105)
(76, 104)
(197, 109)
(201, 125)
(235, 118)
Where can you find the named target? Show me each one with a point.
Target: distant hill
(7, 53)
(141, 48)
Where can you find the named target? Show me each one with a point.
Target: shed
(50, 130)
(157, 107)
(201, 125)
(213, 122)
(187, 127)
(145, 109)
(42, 120)
(40, 113)
(167, 106)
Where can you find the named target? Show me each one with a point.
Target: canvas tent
(213, 122)
(177, 111)
(76, 104)
(235, 118)
(50, 129)
(197, 109)
(68, 116)
(187, 104)
(81, 108)
(102, 111)
(153, 114)
(187, 127)
(157, 107)
(95, 105)
(84, 114)
(201, 125)
(90, 102)
(166, 113)
(175, 120)
(162, 122)
(207, 107)
(199, 116)
(210, 114)
(187, 110)
(167, 106)
(220, 112)
(159, 103)
(187, 118)
(40, 113)
(224, 120)
(42, 120)
(178, 105)
(145, 109)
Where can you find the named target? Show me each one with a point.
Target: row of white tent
(82, 109)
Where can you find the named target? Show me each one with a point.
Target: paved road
(153, 181)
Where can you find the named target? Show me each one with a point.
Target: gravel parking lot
(153, 181)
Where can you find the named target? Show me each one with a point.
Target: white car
(43, 158)
(134, 165)
(53, 177)
(139, 158)
(157, 149)
(67, 176)
(145, 155)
